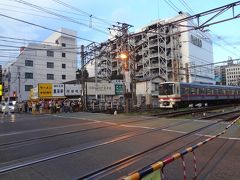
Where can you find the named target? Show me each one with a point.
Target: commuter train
(178, 94)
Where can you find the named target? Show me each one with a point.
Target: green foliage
(79, 74)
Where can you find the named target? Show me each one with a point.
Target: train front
(169, 96)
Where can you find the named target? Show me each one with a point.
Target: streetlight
(124, 56)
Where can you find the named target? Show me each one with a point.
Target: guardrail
(153, 171)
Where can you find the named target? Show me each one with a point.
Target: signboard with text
(1, 89)
(57, 90)
(45, 90)
(73, 90)
(100, 88)
(118, 89)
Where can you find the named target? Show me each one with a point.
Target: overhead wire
(57, 15)
(55, 18)
(50, 8)
(47, 28)
(184, 3)
(81, 11)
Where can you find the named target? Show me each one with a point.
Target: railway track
(73, 150)
(188, 111)
(24, 163)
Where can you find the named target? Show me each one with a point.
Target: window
(63, 54)
(50, 76)
(63, 76)
(50, 65)
(64, 66)
(28, 87)
(50, 53)
(63, 45)
(28, 63)
(28, 75)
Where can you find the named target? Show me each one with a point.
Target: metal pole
(19, 83)
(82, 77)
(96, 84)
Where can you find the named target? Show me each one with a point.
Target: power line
(81, 11)
(184, 3)
(30, 40)
(58, 10)
(43, 27)
(38, 15)
(57, 14)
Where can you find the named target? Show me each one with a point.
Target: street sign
(118, 89)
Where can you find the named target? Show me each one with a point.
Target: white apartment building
(161, 51)
(52, 61)
(233, 75)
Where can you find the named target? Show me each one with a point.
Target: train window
(224, 92)
(186, 90)
(166, 89)
(177, 89)
(197, 90)
(202, 91)
(220, 91)
(193, 90)
(209, 91)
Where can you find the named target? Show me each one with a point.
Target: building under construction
(161, 49)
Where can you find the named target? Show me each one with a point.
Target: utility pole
(126, 74)
(19, 86)
(96, 83)
(82, 78)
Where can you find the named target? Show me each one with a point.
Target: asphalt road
(72, 145)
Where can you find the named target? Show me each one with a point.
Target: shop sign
(45, 90)
(73, 90)
(57, 90)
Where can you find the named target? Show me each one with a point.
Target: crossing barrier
(155, 171)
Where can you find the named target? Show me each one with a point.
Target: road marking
(181, 132)
(42, 129)
(72, 117)
(205, 121)
(132, 126)
(205, 135)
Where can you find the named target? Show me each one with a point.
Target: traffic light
(14, 94)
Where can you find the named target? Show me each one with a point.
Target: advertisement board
(100, 88)
(45, 90)
(1, 89)
(33, 93)
(73, 90)
(57, 90)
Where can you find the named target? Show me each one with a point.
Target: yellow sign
(45, 90)
(1, 88)
(155, 175)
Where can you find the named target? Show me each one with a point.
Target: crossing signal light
(14, 94)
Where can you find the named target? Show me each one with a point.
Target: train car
(178, 94)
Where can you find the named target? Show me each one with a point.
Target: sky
(139, 13)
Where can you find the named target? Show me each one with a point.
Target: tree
(116, 76)
(79, 74)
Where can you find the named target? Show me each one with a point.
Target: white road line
(205, 121)
(181, 132)
(42, 129)
(132, 126)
